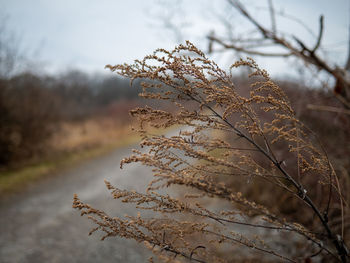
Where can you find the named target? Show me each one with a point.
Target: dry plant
(224, 134)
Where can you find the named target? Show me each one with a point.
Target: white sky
(88, 34)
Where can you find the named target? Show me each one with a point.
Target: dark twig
(319, 35)
(193, 250)
(273, 17)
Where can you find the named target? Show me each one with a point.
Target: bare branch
(298, 21)
(247, 51)
(303, 52)
(328, 108)
(273, 17)
(347, 64)
(319, 35)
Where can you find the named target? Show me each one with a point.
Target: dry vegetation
(44, 115)
(86, 134)
(101, 130)
(50, 122)
(259, 185)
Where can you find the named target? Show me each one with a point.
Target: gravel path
(39, 224)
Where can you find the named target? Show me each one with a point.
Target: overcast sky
(88, 34)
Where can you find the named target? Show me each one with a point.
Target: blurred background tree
(34, 105)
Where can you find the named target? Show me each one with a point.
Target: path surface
(39, 224)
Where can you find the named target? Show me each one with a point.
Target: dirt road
(39, 224)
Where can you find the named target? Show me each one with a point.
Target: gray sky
(88, 34)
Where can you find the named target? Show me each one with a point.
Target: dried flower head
(226, 134)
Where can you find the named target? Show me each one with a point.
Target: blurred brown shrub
(29, 115)
(34, 106)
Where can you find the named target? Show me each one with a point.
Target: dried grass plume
(229, 138)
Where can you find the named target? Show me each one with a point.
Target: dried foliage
(226, 136)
